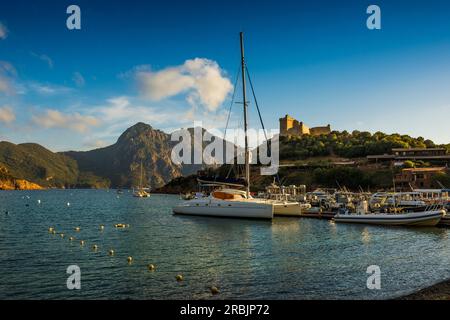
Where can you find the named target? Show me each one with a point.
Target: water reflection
(365, 235)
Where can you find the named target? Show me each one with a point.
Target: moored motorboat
(427, 218)
(286, 208)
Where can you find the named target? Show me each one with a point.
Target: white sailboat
(229, 202)
(140, 192)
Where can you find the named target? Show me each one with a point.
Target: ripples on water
(287, 258)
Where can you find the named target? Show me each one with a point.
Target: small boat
(141, 194)
(286, 208)
(283, 199)
(187, 196)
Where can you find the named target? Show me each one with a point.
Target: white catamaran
(230, 202)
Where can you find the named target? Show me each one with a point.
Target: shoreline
(438, 291)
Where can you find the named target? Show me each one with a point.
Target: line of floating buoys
(151, 267)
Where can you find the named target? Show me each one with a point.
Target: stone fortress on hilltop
(292, 127)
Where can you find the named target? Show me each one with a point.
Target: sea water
(287, 258)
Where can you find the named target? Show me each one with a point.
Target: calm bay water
(287, 258)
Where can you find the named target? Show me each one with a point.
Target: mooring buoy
(130, 259)
(81, 242)
(151, 267)
(111, 252)
(95, 247)
(179, 277)
(214, 290)
(77, 229)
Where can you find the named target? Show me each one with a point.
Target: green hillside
(35, 163)
(344, 144)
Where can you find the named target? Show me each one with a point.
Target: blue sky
(168, 63)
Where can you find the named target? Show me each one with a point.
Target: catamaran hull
(418, 219)
(226, 210)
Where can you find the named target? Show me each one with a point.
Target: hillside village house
(416, 178)
(437, 156)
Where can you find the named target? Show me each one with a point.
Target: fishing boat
(428, 217)
(141, 192)
(229, 201)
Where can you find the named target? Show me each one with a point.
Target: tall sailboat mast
(244, 96)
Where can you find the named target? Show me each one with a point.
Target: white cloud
(48, 89)
(6, 86)
(7, 114)
(120, 113)
(78, 79)
(201, 79)
(56, 119)
(45, 58)
(3, 31)
(7, 75)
